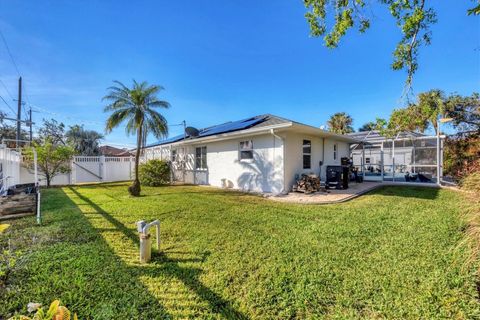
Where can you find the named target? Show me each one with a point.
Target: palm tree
(430, 106)
(368, 126)
(85, 142)
(136, 106)
(340, 123)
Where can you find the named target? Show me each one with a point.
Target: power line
(7, 104)
(6, 89)
(9, 52)
(60, 115)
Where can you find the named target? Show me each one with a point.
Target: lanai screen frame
(380, 170)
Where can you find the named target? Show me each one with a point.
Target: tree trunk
(135, 189)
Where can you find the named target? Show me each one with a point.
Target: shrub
(461, 155)
(471, 182)
(154, 173)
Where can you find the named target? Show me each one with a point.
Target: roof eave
(325, 133)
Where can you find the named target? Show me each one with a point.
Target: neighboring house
(110, 151)
(264, 153)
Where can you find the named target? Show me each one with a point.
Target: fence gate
(101, 169)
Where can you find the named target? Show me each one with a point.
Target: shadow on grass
(163, 266)
(62, 253)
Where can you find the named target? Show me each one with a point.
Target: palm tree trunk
(135, 188)
(137, 153)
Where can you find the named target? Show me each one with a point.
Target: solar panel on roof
(218, 129)
(166, 141)
(231, 126)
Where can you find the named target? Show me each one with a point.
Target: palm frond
(117, 117)
(135, 105)
(159, 104)
(156, 124)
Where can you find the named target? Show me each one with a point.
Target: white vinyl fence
(101, 169)
(9, 168)
(87, 170)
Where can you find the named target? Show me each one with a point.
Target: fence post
(130, 167)
(103, 170)
(72, 171)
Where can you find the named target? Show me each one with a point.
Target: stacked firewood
(307, 184)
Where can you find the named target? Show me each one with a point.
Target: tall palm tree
(136, 106)
(340, 123)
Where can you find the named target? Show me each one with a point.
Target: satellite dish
(192, 132)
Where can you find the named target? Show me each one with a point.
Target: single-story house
(264, 153)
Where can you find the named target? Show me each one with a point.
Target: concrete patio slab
(331, 196)
(336, 196)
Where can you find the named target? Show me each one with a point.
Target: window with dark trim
(201, 158)
(335, 151)
(307, 154)
(246, 150)
(173, 155)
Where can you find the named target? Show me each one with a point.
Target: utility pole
(30, 116)
(19, 112)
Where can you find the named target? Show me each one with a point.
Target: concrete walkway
(336, 196)
(331, 196)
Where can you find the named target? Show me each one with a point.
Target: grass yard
(394, 253)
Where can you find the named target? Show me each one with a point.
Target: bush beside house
(154, 173)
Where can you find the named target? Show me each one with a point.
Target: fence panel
(101, 169)
(9, 168)
(118, 168)
(86, 169)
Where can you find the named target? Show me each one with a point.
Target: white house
(263, 153)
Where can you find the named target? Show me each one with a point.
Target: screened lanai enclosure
(409, 157)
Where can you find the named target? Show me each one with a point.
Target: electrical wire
(7, 104)
(9, 52)
(74, 119)
(6, 89)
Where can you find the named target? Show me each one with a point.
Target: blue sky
(221, 60)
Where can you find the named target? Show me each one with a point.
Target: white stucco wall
(294, 156)
(267, 172)
(263, 173)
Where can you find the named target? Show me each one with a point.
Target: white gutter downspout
(323, 160)
(283, 147)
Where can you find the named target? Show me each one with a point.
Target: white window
(335, 151)
(201, 158)
(307, 154)
(367, 160)
(173, 155)
(246, 150)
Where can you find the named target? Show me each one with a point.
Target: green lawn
(393, 253)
